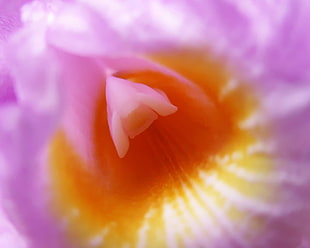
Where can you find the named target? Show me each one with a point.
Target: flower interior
(174, 162)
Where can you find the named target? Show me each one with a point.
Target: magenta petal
(10, 17)
(288, 106)
(84, 82)
(287, 56)
(7, 92)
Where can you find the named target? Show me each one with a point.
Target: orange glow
(111, 196)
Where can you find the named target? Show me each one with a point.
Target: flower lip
(132, 108)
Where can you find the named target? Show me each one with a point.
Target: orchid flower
(154, 124)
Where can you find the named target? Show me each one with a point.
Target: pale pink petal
(132, 108)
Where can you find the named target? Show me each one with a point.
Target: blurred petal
(228, 169)
(79, 30)
(10, 17)
(26, 125)
(83, 81)
(9, 237)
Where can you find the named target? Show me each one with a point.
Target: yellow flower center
(186, 178)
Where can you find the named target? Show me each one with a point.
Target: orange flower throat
(157, 190)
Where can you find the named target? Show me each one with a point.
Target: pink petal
(9, 237)
(83, 84)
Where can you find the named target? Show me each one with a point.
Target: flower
(157, 124)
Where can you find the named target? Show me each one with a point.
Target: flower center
(187, 169)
